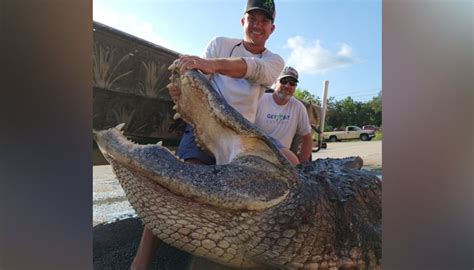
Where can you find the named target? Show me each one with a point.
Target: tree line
(347, 111)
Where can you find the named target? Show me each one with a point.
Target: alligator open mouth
(253, 208)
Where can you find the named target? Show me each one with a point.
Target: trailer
(129, 82)
(129, 86)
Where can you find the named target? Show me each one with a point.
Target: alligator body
(252, 209)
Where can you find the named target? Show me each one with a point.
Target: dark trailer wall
(129, 86)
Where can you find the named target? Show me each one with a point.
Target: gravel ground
(369, 151)
(108, 198)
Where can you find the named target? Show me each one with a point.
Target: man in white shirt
(241, 70)
(280, 115)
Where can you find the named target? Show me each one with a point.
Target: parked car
(370, 127)
(350, 132)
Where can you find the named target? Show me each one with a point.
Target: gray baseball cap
(289, 72)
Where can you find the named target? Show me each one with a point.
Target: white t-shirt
(262, 71)
(282, 122)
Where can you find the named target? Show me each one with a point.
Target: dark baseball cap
(267, 6)
(289, 72)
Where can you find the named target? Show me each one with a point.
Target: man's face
(285, 88)
(257, 27)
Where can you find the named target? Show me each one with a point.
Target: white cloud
(129, 23)
(310, 57)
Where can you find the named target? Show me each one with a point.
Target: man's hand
(232, 67)
(186, 62)
(182, 64)
(306, 148)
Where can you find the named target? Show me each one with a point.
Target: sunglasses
(284, 81)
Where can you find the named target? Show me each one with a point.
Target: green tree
(305, 95)
(347, 112)
(376, 106)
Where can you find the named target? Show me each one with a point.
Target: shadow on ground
(115, 244)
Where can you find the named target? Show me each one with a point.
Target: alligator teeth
(186, 81)
(172, 66)
(176, 116)
(120, 126)
(160, 143)
(175, 107)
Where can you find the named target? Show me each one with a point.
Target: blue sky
(335, 40)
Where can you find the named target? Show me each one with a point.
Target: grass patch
(378, 136)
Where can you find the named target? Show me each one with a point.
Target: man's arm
(306, 148)
(256, 70)
(263, 71)
(232, 67)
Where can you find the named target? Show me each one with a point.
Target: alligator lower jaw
(178, 220)
(247, 183)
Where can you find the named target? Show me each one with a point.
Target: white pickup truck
(350, 132)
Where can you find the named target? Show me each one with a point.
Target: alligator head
(253, 208)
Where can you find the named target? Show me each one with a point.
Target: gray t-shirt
(282, 122)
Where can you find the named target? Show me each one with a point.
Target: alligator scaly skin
(252, 209)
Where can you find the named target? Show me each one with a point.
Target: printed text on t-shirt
(278, 117)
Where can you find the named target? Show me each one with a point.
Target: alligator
(253, 209)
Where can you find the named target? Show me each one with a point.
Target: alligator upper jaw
(218, 127)
(247, 183)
